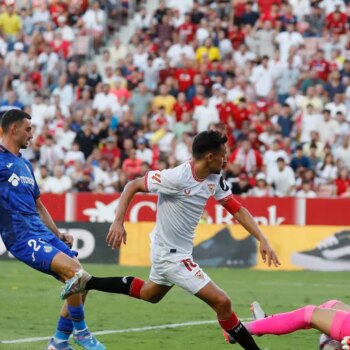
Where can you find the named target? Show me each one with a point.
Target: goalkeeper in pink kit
(183, 193)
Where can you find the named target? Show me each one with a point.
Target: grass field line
(127, 330)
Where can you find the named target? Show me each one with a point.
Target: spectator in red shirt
(247, 157)
(241, 113)
(185, 75)
(343, 181)
(111, 152)
(337, 21)
(272, 15)
(226, 111)
(187, 29)
(60, 46)
(320, 65)
(181, 106)
(132, 166)
(265, 5)
(236, 36)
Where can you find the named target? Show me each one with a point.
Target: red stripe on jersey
(146, 181)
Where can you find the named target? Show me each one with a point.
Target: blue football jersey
(18, 193)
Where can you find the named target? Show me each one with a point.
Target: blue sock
(77, 315)
(64, 329)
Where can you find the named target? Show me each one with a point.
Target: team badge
(199, 275)
(47, 249)
(211, 188)
(187, 191)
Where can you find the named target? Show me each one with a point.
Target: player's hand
(67, 238)
(345, 343)
(268, 254)
(116, 235)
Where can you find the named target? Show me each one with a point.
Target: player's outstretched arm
(50, 224)
(244, 217)
(117, 233)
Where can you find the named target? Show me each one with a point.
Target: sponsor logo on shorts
(47, 249)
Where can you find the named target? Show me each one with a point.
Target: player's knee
(73, 268)
(223, 302)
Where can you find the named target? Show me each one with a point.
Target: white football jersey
(181, 202)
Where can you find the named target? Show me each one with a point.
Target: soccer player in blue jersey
(29, 232)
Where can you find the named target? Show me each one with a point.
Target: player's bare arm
(50, 224)
(117, 233)
(244, 217)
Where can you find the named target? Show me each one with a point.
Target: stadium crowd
(272, 74)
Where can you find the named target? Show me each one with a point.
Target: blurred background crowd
(274, 75)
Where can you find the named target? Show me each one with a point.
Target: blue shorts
(39, 251)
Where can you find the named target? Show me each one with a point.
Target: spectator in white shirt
(142, 19)
(328, 128)
(59, 183)
(262, 77)
(261, 188)
(337, 105)
(178, 51)
(143, 152)
(73, 155)
(205, 115)
(287, 39)
(216, 98)
(225, 45)
(327, 170)
(243, 55)
(118, 50)
(282, 179)
(38, 112)
(342, 153)
(50, 153)
(106, 100)
(64, 90)
(94, 19)
(67, 31)
(306, 191)
(344, 127)
(202, 32)
(270, 156)
(66, 137)
(310, 122)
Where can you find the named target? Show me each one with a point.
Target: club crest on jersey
(187, 191)
(211, 188)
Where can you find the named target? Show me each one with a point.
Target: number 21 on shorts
(36, 247)
(189, 264)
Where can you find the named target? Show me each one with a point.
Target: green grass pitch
(29, 304)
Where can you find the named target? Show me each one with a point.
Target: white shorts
(182, 272)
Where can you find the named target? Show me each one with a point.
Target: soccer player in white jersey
(183, 193)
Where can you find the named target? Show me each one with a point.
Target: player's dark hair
(207, 141)
(12, 116)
